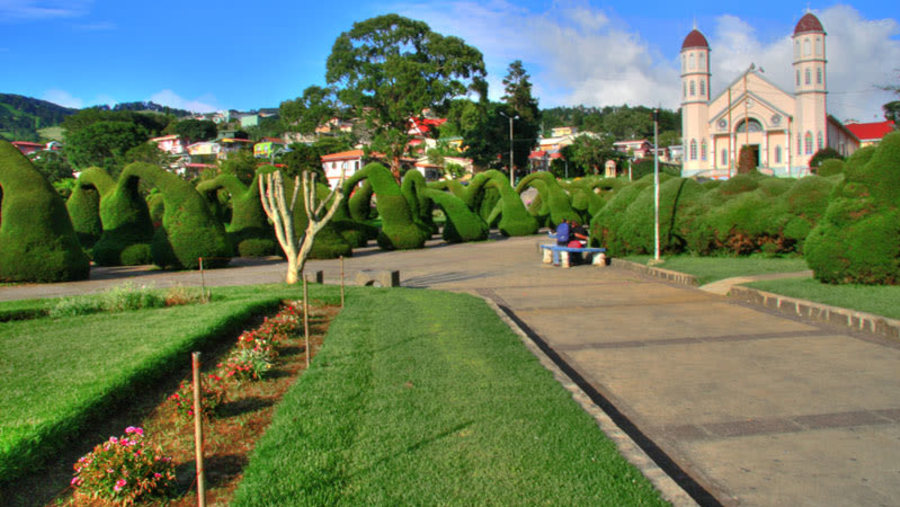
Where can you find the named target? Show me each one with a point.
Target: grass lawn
(60, 373)
(711, 269)
(878, 299)
(424, 397)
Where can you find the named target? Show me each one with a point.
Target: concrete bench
(378, 278)
(552, 251)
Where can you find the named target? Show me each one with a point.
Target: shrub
(553, 194)
(127, 226)
(606, 225)
(212, 394)
(123, 470)
(83, 206)
(37, 240)
(461, 224)
(188, 231)
(248, 219)
(831, 167)
(858, 241)
(826, 153)
(637, 223)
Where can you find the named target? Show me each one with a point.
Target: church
(782, 129)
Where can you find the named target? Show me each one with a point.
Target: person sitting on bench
(578, 239)
(562, 238)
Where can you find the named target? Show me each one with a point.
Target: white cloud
(580, 54)
(18, 10)
(203, 104)
(62, 98)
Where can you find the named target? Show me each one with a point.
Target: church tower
(810, 126)
(695, 101)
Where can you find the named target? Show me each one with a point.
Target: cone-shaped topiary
(858, 240)
(249, 229)
(413, 189)
(637, 234)
(84, 205)
(37, 240)
(188, 231)
(127, 227)
(399, 231)
(606, 225)
(552, 194)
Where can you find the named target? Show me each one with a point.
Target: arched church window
(684, 89)
(693, 88)
(819, 75)
(798, 77)
(683, 63)
(818, 46)
(703, 150)
(724, 156)
(691, 61)
(693, 149)
(703, 88)
(820, 141)
(701, 61)
(807, 76)
(799, 145)
(797, 50)
(808, 143)
(777, 153)
(754, 125)
(806, 50)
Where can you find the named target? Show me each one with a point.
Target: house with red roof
(870, 133)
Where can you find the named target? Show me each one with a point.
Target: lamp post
(512, 168)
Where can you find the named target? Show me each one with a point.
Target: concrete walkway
(740, 405)
(722, 287)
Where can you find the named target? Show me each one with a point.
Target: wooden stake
(342, 281)
(203, 281)
(306, 319)
(198, 431)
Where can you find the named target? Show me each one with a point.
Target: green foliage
(622, 122)
(391, 68)
(590, 153)
(399, 229)
(831, 167)
(305, 113)
(21, 117)
(858, 241)
(52, 164)
(37, 240)
(637, 227)
(127, 227)
(303, 157)
(644, 166)
(84, 210)
(491, 195)
(104, 144)
(551, 193)
(606, 225)
(188, 231)
(746, 160)
(194, 131)
(240, 164)
(248, 219)
(826, 153)
(525, 112)
(462, 223)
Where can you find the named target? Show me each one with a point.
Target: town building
(870, 133)
(782, 129)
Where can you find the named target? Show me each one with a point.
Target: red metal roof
(808, 23)
(695, 39)
(27, 143)
(870, 131)
(343, 155)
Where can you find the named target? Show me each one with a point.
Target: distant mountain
(21, 117)
(140, 107)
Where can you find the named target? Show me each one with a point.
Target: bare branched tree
(281, 212)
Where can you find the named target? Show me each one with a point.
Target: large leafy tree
(313, 108)
(192, 130)
(527, 126)
(592, 152)
(104, 144)
(390, 69)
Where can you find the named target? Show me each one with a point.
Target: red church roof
(695, 39)
(808, 23)
(870, 131)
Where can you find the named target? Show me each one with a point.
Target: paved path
(741, 405)
(722, 287)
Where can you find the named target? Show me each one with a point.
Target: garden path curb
(628, 448)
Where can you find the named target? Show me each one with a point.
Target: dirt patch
(229, 436)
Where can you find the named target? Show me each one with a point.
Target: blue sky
(204, 55)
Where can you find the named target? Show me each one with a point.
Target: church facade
(783, 130)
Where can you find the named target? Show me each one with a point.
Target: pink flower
(120, 484)
(75, 481)
(157, 475)
(131, 429)
(113, 440)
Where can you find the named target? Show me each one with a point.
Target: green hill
(22, 117)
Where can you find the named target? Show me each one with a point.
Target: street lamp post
(512, 168)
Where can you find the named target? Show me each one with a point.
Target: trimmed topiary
(37, 240)
(125, 218)
(637, 234)
(462, 224)
(84, 209)
(508, 210)
(831, 167)
(553, 194)
(606, 225)
(413, 189)
(858, 241)
(248, 219)
(399, 230)
(189, 231)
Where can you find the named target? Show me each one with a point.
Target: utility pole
(656, 184)
(512, 168)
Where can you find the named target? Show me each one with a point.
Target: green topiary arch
(249, 229)
(37, 240)
(514, 219)
(552, 194)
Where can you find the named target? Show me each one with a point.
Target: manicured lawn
(711, 269)
(880, 300)
(424, 397)
(58, 374)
